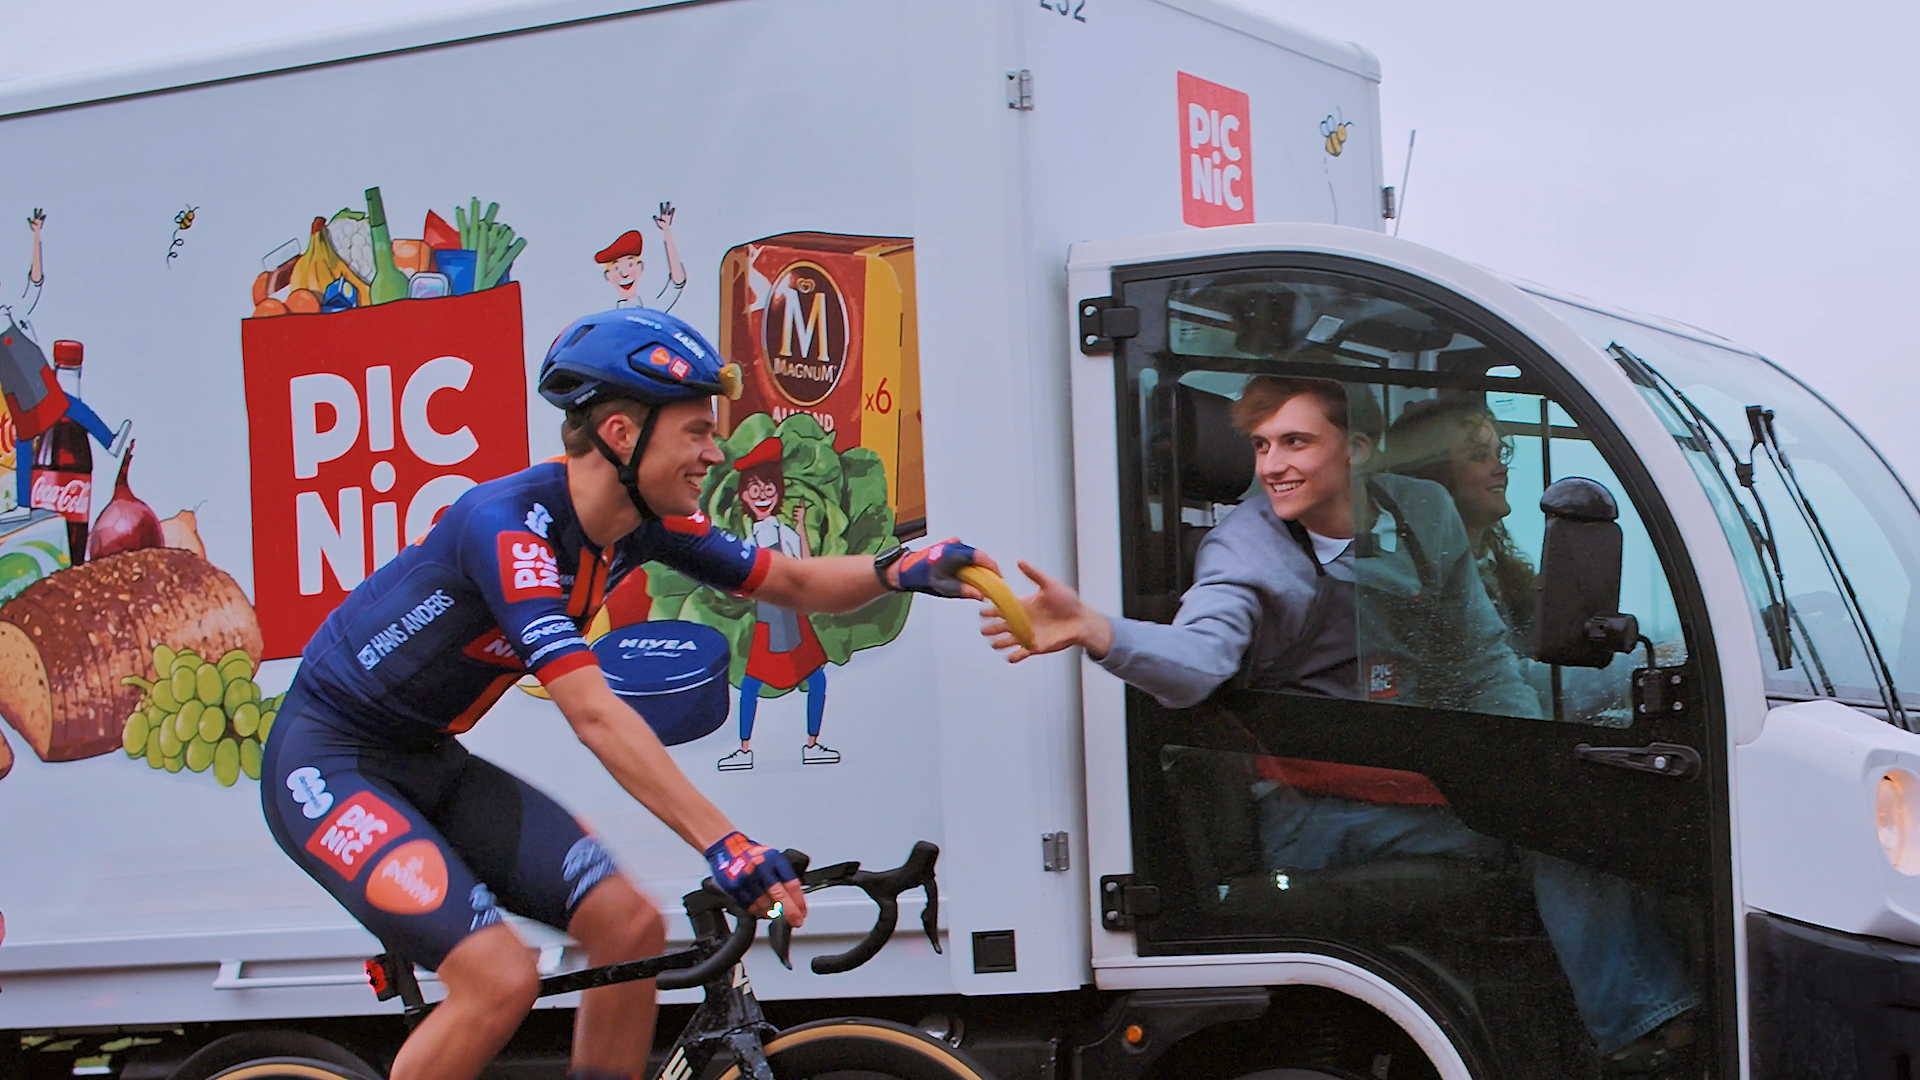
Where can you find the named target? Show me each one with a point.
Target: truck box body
(924, 167)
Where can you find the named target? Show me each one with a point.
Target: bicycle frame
(729, 1018)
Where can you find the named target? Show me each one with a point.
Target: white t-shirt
(1327, 548)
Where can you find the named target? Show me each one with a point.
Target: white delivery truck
(996, 270)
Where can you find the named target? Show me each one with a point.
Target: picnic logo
(1216, 154)
(527, 567)
(362, 826)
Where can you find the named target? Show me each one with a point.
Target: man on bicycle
(365, 786)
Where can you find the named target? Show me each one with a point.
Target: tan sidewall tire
(284, 1069)
(871, 1045)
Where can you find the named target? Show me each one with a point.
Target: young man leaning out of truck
(1276, 587)
(365, 786)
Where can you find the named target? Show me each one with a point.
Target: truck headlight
(1894, 818)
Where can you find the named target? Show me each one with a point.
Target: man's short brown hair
(577, 429)
(1265, 395)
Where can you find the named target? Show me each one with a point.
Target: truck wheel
(293, 1050)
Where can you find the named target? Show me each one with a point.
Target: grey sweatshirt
(1416, 619)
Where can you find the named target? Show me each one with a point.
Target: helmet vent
(578, 334)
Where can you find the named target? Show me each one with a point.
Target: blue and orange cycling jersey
(500, 587)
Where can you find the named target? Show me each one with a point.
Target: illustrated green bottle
(388, 282)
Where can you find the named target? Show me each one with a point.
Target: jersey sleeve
(517, 572)
(709, 555)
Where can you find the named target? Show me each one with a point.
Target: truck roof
(74, 54)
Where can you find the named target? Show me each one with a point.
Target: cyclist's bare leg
(613, 1029)
(491, 980)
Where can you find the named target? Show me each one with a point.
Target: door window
(1389, 774)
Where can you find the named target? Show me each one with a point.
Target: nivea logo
(639, 644)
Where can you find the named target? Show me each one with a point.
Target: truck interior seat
(1215, 460)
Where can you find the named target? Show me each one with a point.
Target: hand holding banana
(951, 568)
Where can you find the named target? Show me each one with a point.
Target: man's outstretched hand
(1060, 620)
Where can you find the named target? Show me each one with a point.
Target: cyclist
(366, 788)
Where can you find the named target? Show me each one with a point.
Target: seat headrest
(1216, 461)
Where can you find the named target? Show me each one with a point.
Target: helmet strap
(629, 471)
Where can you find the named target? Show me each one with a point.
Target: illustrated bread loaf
(6, 756)
(68, 640)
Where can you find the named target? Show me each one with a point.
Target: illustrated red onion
(127, 524)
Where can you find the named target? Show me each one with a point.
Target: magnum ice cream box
(823, 324)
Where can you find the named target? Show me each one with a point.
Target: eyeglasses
(1481, 452)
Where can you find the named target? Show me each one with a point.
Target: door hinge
(1122, 903)
(1387, 208)
(1103, 320)
(1661, 692)
(1020, 90)
(1053, 852)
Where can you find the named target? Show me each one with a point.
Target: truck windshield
(1839, 614)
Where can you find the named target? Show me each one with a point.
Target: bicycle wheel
(858, 1047)
(287, 1068)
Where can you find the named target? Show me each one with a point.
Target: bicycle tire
(866, 1047)
(287, 1068)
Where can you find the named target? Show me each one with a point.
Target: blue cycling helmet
(632, 354)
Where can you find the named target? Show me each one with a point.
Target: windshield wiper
(1765, 438)
(1779, 617)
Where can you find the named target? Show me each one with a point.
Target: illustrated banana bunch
(320, 266)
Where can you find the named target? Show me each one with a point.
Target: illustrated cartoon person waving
(785, 652)
(620, 262)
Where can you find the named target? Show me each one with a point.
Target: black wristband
(884, 562)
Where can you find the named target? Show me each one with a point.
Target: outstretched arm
(839, 583)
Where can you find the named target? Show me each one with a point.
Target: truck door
(1387, 777)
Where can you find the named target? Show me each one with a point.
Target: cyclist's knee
(615, 922)
(495, 970)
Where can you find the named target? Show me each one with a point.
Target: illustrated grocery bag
(363, 425)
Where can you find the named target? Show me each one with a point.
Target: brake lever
(930, 914)
(779, 931)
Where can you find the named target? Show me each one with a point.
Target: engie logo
(364, 426)
(1216, 154)
(527, 567)
(362, 826)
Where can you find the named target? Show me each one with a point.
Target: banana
(994, 587)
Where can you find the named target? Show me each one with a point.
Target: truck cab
(1717, 802)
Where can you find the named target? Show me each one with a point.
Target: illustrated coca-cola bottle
(63, 460)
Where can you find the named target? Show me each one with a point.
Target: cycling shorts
(423, 844)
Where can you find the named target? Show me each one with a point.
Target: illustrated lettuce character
(836, 502)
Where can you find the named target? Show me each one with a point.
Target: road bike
(728, 1037)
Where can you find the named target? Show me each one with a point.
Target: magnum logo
(804, 333)
(824, 324)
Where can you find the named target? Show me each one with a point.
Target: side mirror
(1577, 622)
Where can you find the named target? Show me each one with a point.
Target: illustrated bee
(184, 219)
(1336, 133)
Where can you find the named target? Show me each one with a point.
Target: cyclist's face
(677, 458)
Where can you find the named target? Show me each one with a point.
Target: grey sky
(1743, 167)
(1747, 168)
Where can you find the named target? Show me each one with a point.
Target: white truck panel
(143, 888)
